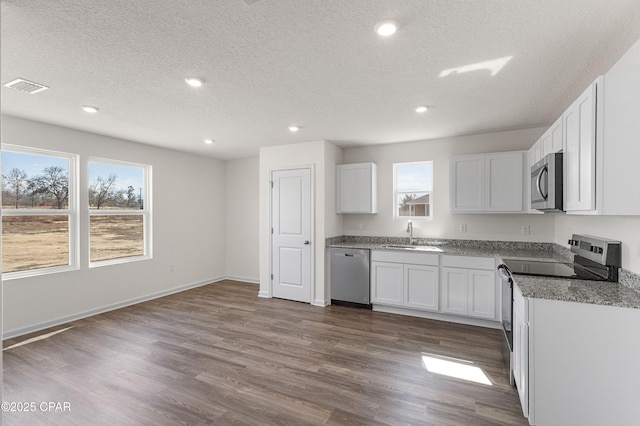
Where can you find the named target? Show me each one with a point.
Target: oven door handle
(539, 182)
(505, 273)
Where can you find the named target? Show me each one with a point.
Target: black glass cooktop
(541, 268)
(582, 269)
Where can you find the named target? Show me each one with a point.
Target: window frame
(145, 212)
(396, 192)
(71, 212)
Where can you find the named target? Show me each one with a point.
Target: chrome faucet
(410, 231)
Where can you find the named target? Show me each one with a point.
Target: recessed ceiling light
(90, 109)
(386, 28)
(421, 109)
(293, 129)
(209, 141)
(194, 81)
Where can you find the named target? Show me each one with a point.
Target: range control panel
(600, 250)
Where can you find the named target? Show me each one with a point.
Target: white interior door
(291, 234)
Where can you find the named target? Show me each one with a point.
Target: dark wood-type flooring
(220, 355)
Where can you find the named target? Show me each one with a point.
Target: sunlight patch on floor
(453, 367)
(37, 338)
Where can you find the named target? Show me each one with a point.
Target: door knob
(306, 243)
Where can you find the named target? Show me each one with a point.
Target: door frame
(312, 183)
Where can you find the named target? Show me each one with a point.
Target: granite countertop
(502, 249)
(581, 291)
(625, 294)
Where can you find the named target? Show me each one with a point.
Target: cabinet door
(356, 188)
(421, 287)
(521, 359)
(504, 182)
(537, 151)
(580, 149)
(387, 283)
(454, 291)
(557, 137)
(546, 143)
(467, 184)
(482, 294)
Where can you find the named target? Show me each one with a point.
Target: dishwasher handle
(353, 255)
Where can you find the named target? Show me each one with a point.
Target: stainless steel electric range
(595, 258)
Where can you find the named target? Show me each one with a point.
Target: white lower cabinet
(414, 280)
(469, 292)
(468, 286)
(396, 283)
(576, 363)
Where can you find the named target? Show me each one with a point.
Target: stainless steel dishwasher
(350, 277)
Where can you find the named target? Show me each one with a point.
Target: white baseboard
(74, 317)
(265, 294)
(243, 279)
(438, 316)
(321, 302)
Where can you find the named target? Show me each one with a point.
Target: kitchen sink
(408, 247)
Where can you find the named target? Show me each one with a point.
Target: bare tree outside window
(54, 181)
(16, 181)
(103, 191)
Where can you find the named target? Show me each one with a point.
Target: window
(412, 190)
(119, 212)
(39, 211)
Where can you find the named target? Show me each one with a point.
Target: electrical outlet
(171, 267)
(463, 227)
(526, 230)
(359, 227)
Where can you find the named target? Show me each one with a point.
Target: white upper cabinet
(579, 123)
(550, 142)
(618, 157)
(557, 137)
(356, 190)
(602, 143)
(488, 182)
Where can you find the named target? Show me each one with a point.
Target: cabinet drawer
(404, 257)
(470, 262)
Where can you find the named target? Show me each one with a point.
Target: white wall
(444, 224)
(188, 232)
(333, 221)
(242, 219)
(316, 154)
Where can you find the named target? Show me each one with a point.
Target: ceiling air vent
(26, 86)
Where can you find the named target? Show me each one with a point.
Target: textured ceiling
(318, 64)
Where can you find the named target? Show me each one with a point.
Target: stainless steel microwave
(546, 183)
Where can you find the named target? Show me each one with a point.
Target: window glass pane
(115, 186)
(414, 177)
(413, 191)
(116, 236)
(414, 204)
(34, 242)
(34, 181)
